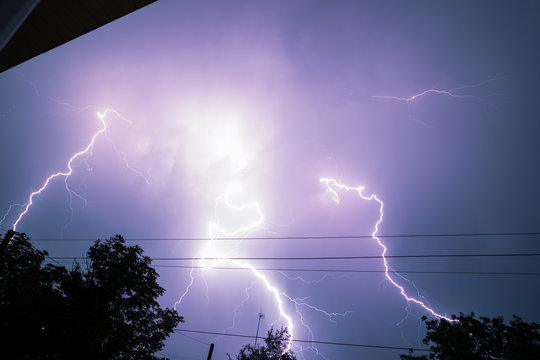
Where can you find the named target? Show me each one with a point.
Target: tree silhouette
(275, 348)
(109, 311)
(479, 339)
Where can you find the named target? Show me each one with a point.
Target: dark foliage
(275, 348)
(480, 338)
(109, 311)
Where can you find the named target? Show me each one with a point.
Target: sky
(224, 116)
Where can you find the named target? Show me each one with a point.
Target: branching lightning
(242, 303)
(210, 253)
(83, 155)
(454, 92)
(65, 174)
(314, 281)
(12, 206)
(330, 315)
(331, 187)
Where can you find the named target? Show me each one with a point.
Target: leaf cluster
(108, 311)
(274, 348)
(472, 338)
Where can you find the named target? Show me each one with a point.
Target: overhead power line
(355, 271)
(308, 341)
(326, 257)
(509, 273)
(293, 258)
(309, 237)
(194, 339)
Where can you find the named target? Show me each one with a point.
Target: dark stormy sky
(232, 111)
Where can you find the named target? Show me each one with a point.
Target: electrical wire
(328, 257)
(310, 237)
(209, 268)
(194, 339)
(356, 271)
(308, 341)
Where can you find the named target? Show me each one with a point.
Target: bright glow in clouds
(210, 254)
(332, 186)
(271, 97)
(224, 142)
(217, 134)
(216, 147)
(233, 217)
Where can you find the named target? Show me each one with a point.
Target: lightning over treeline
(214, 254)
(232, 217)
(332, 187)
(211, 255)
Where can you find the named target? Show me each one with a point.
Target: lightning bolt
(452, 93)
(82, 154)
(65, 174)
(12, 206)
(330, 315)
(242, 303)
(331, 186)
(211, 254)
(314, 281)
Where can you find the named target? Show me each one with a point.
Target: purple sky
(274, 96)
